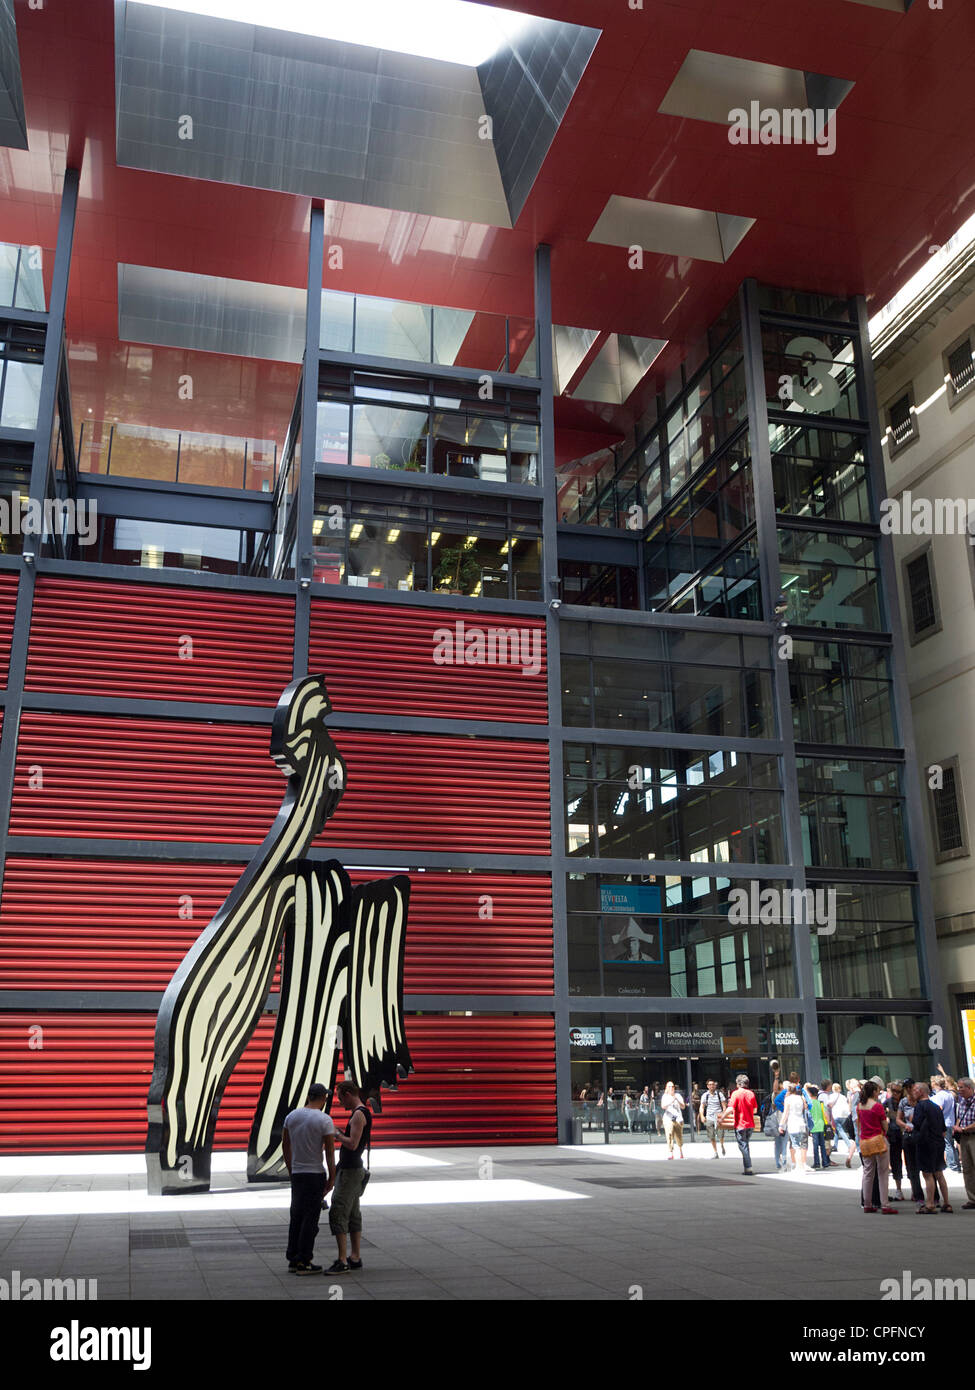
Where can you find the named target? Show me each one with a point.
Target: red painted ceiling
(902, 178)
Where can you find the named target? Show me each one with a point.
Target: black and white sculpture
(341, 974)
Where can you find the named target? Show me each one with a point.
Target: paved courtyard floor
(592, 1222)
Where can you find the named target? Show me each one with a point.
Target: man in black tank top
(344, 1217)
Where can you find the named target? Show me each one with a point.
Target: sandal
(925, 1211)
(947, 1207)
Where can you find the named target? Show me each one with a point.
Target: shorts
(344, 1214)
(930, 1157)
(715, 1134)
(798, 1139)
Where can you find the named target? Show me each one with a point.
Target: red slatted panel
(478, 1080)
(451, 949)
(93, 924)
(379, 658)
(149, 779)
(8, 608)
(125, 639)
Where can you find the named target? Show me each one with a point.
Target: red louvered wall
(377, 657)
(113, 924)
(98, 638)
(477, 1080)
(8, 608)
(161, 779)
(95, 924)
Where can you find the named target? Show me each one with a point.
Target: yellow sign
(968, 1028)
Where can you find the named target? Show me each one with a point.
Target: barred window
(921, 597)
(947, 806)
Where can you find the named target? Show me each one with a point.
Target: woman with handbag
(872, 1125)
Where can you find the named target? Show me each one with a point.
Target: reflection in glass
(21, 394)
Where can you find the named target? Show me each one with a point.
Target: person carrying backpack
(713, 1102)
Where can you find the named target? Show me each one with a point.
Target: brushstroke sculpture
(341, 974)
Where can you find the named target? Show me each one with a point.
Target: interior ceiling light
(452, 31)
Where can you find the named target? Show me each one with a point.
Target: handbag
(870, 1147)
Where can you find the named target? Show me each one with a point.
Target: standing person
(905, 1122)
(853, 1097)
(713, 1102)
(965, 1137)
(345, 1218)
(826, 1097)
(308, 1133)
(646, 1105)
(744, 1104)
(775, 1125)
(817, 1128)
(794, 1125)
(895, 1137)
(629, 1109)
(873, 1149)
(944, 1099)
(929, 1142)
(672, 1108)
(842, 1122)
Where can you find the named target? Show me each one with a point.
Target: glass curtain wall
(693, 762)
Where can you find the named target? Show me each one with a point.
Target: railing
(177, 456)
(398, 329)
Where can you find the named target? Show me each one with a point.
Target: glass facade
(381, 537)
(426, 425)
(734, 854)
(747, 714)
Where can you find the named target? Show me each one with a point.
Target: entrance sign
(590, 1037)
(341, 974)
(684, 1040)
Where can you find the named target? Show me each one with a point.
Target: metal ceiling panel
(527, 89)
(668, 230)
(711, 85)
(323, 118)
(302, 115)
(239, 317)
(620, 365)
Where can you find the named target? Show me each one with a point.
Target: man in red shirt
(744, 1104)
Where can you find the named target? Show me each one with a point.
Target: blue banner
(637, 898)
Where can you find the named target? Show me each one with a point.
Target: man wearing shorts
(712, 1103)
(345, 1218)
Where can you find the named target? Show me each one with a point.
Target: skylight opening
(451, 31)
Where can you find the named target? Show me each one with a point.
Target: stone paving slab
(553, 1235)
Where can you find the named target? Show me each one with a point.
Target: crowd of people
(917, 1128)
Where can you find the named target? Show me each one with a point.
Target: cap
(317, 1091)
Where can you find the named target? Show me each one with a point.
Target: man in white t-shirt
(308, 1134)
